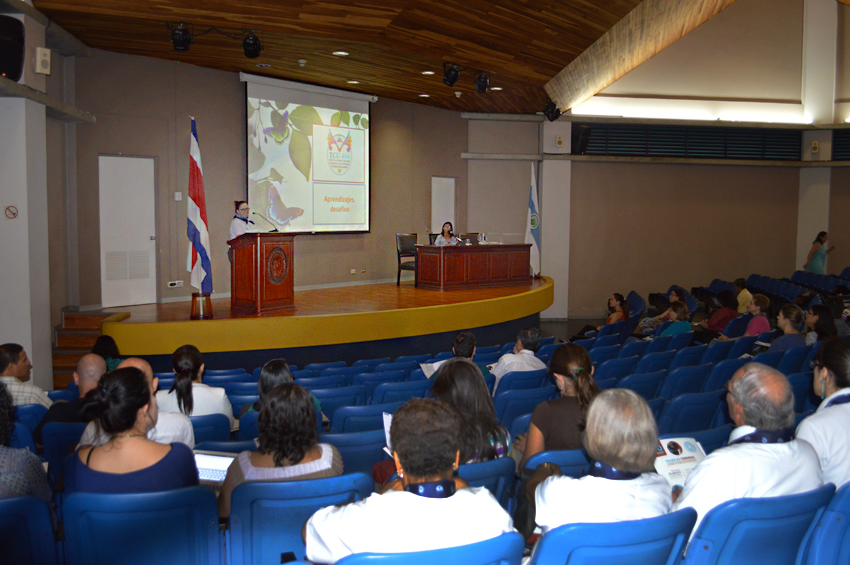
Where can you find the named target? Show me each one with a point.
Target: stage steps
(75, 338)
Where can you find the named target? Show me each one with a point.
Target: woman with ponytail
(188, 395)
(124, 408)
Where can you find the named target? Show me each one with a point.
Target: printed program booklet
(676, 458)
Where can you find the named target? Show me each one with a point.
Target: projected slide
(308, 167)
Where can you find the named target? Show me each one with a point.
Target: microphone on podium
(274, 229)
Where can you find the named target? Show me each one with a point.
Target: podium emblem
(277, 266)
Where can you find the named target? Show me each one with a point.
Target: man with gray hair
(763, 457)
(522, 359)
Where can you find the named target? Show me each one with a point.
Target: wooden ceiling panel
(521, 44)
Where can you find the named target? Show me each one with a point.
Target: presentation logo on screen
(339, 152)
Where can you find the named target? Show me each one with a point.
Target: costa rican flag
(532, 225)
(196, 230)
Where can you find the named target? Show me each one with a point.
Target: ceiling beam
(647, 30)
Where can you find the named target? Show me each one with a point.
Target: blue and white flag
(196, 229)
(532, 226)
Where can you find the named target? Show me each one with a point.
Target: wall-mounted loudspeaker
(11, 48)
(42, 61)
(580, 139)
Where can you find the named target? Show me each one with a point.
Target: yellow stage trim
(247, 334)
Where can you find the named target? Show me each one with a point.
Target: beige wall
(644, 227)
(842, 57)
(839, 228)
(56, 204)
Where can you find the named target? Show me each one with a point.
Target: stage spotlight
(450, 74)
(482, 83)
(252, 46)
(551, 111)
(181, 37)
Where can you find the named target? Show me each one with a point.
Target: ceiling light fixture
(427, 72)
(551, 111)
(341, 53)
(495, 88)
(181, 37)
(424, 96)
(353, 82)
(482, 83)
(451, 73)
(263, 65)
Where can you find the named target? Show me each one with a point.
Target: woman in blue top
(124, 406)
(817, 256)
(679, 315)
(788, 320)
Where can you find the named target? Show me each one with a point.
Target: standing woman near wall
(817, 256)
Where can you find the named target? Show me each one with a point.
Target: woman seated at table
(828, 429)
(188, 394)
(759, 324)
(427, 507)
(123, 406)
(714, 326)
(819, 324)
(447, 237)
(289, 448)
(788, 320)
(621, 439)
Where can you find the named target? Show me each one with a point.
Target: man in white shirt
(16, 371)
(522, 359)
(170, 426)
(763, 458)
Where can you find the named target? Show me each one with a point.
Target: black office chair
(405, 244)
(432, 237)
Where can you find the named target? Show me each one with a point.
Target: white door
(127, 231)
(442, 203)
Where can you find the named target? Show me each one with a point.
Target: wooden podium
(262, 272)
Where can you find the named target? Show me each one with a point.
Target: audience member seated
(464, 346)
(522, 358)
(758, 308)
(289, 449)
(788, 320)
(557, 424)
(819, 324)
(828, 429)
(679, 315)
(744, 296)
(17, 370)
(836, 306)
(90, 368)
(621, 439)
(425, 508)
(647, 325)
(618, 309)
(21, 473)
(718, 321)
(170, 426)
(106, 347)
(763, 458)
(123, 406)
(188, 395)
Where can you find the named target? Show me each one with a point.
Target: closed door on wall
(442, 203)
(127, 231)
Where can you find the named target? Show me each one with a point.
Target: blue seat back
(637, 348)
(520, 425)
(325, 381)
(157, 375)
(656, 405)
(26, 531)
(497, 475)
(505, 549)
(30, 415)
(659, 329)
(801, 384)
(405, 366)
(544, 350)
(349, 419)
(652, 362)
(304, 374)
(830, 541)
(227, 446)
(611, 329)
(59, 438)
(360, 450)
(238, 389)
(792, 361)
(645, 384)
(442, 355)
(317, 368)
(716, 352)
(658, 344)
(416, 358)
(21, 438)
(758, 530)
(122, 528)
(492, 348)
(684, 380)
(238, 400)
(687, 357)
(680, 341)
(573, 462)
(61, 394)
(372, 363)
(520, 380)
(721, 373)
(586, 343)
(334, 398)
(742, 345)
(266, 517)
(371, 380)
(211, 427)
(490, 358)
(689, 412)
(341, 371)
(220, 380)
(601, 354)
(710, 440)
(631, 326)
(731, 329)
(401, 391)
(220, 372)
(607, 383)
(769, 359)
(607, 340)
(248, 426)
(653, 540)
(508, 348)
(490, 381)
(166, 384)
(615, 369)
(513, 403)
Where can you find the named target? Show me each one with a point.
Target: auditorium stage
(341, 323)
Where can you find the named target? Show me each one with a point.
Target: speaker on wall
(11, 48)
(580, 139)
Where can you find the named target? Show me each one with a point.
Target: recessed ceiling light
(263, 65)
(353, 82)
(341, 53)
(424, 96)
(495, 88)
(427, 72)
